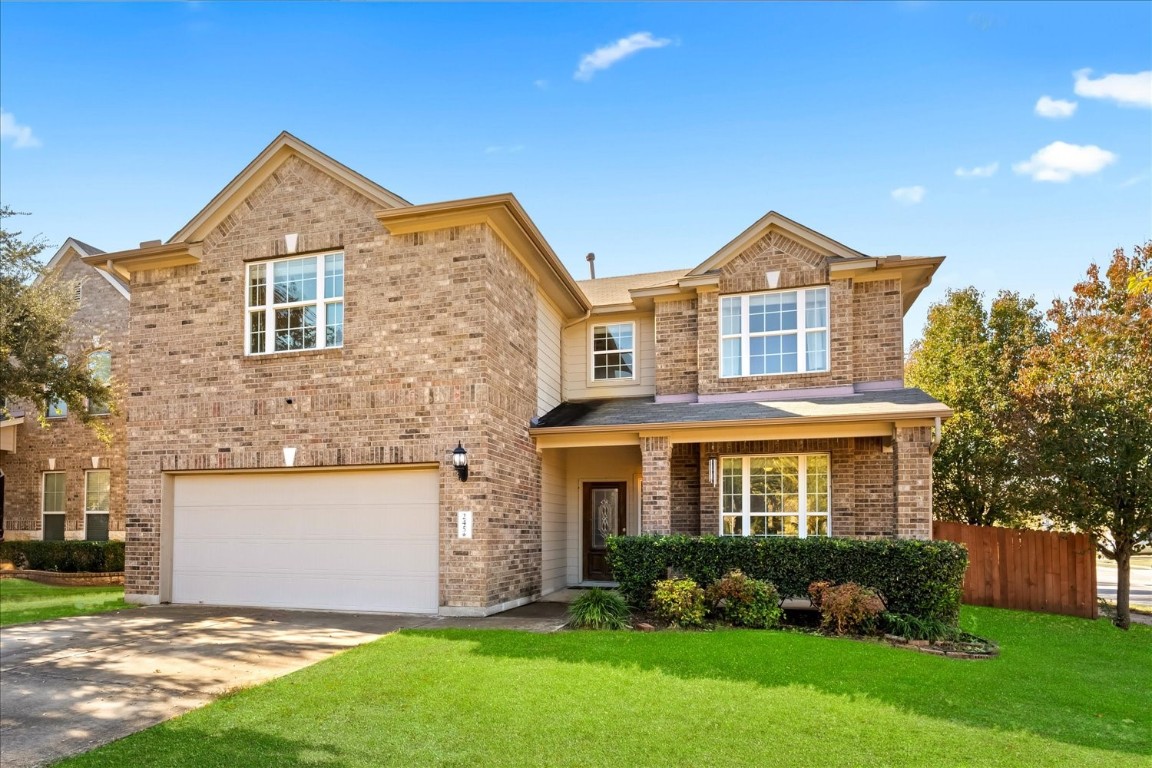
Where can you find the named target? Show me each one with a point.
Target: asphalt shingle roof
(640, 411)
(614, 290)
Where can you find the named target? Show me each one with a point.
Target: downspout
(937, 436)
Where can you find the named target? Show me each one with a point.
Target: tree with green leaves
(969, 358)
(35, 335)
(1087, 397)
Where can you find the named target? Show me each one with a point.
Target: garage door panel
(362, 540)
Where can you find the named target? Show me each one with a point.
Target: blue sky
(649, 133)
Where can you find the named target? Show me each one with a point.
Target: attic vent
(78, 292)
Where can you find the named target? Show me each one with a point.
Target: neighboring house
(60, 481)
(312, 355)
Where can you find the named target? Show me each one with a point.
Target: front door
(604, 516)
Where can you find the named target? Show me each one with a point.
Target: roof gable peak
(283, 147)
(773, 221)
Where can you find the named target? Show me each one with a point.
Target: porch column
(913, 482)
(656, 494)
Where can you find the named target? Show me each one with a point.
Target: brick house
(311, 355)
(60, 481)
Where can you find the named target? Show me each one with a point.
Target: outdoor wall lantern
(460, 461)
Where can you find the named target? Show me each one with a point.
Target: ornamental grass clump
(599, 609)
(847, 609)
(679, 602)
(745, 602)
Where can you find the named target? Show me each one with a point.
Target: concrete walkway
(70, 685)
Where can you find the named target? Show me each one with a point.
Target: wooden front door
(604, 515)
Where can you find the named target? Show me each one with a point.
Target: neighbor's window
(774, 495)
(613, 351)
(97, 499)
(771, 333)
(295, 303)
(58, 408)
(100, 364)
(52, 506)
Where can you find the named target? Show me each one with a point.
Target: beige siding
(549, 392)
(577, 346)
(554, 528)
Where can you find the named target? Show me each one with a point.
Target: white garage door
(348, 541)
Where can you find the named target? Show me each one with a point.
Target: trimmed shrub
(65, 556)
(599, 609)
(849, 609)
(919, 578)
(680, 602)
(745, 602)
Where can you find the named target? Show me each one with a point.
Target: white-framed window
(613, 351)
(53, 498)
(100, 365)
(786, 495)
(97, 503)
(764, 334)
(294, 303)
(58, 407)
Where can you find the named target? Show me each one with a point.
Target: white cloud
(1055, 108)
(979, 172)
(607, 55)
(909, 195)
(504, 149)
(1060, 161)
(20, 135)
(1133, 90)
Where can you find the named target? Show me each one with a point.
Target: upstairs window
(100, 365)
(765, 334)
(295, 303)
(613, 351)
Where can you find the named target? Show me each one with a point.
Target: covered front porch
(860, 468)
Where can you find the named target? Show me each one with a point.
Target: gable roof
(264, 165)
(82, 249)
(605, 291)
(773, 220)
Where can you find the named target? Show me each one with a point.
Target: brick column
(913, 482)
(656, 496)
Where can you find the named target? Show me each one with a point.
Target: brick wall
(685, 491)
(434, 353)
(676, 347)
(656, 492)
(878, 331)
(914, 482)
(103, 312)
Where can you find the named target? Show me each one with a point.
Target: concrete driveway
(73, 684)
(1140, 590)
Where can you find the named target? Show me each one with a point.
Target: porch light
(460, 461)
(713, 466)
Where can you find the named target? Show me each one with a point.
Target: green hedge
(920, 578)
(65, 556)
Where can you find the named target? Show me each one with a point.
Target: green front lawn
(24, 601)
(1064, 692)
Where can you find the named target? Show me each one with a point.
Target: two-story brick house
(312, 356)
(60, 480)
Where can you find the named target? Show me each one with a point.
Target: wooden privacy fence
(1026, 570)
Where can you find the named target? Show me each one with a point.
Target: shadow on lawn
(183, 746)
(1054, 695)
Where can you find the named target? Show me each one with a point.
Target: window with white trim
(58, 407)
(97, 502)
(52, 510)
(613, 351)
(775, 495)
(763, 334)
(295, 303)
(100, 366)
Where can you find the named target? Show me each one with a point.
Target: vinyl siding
(554, 530)
(577, 348)
(549, 392)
